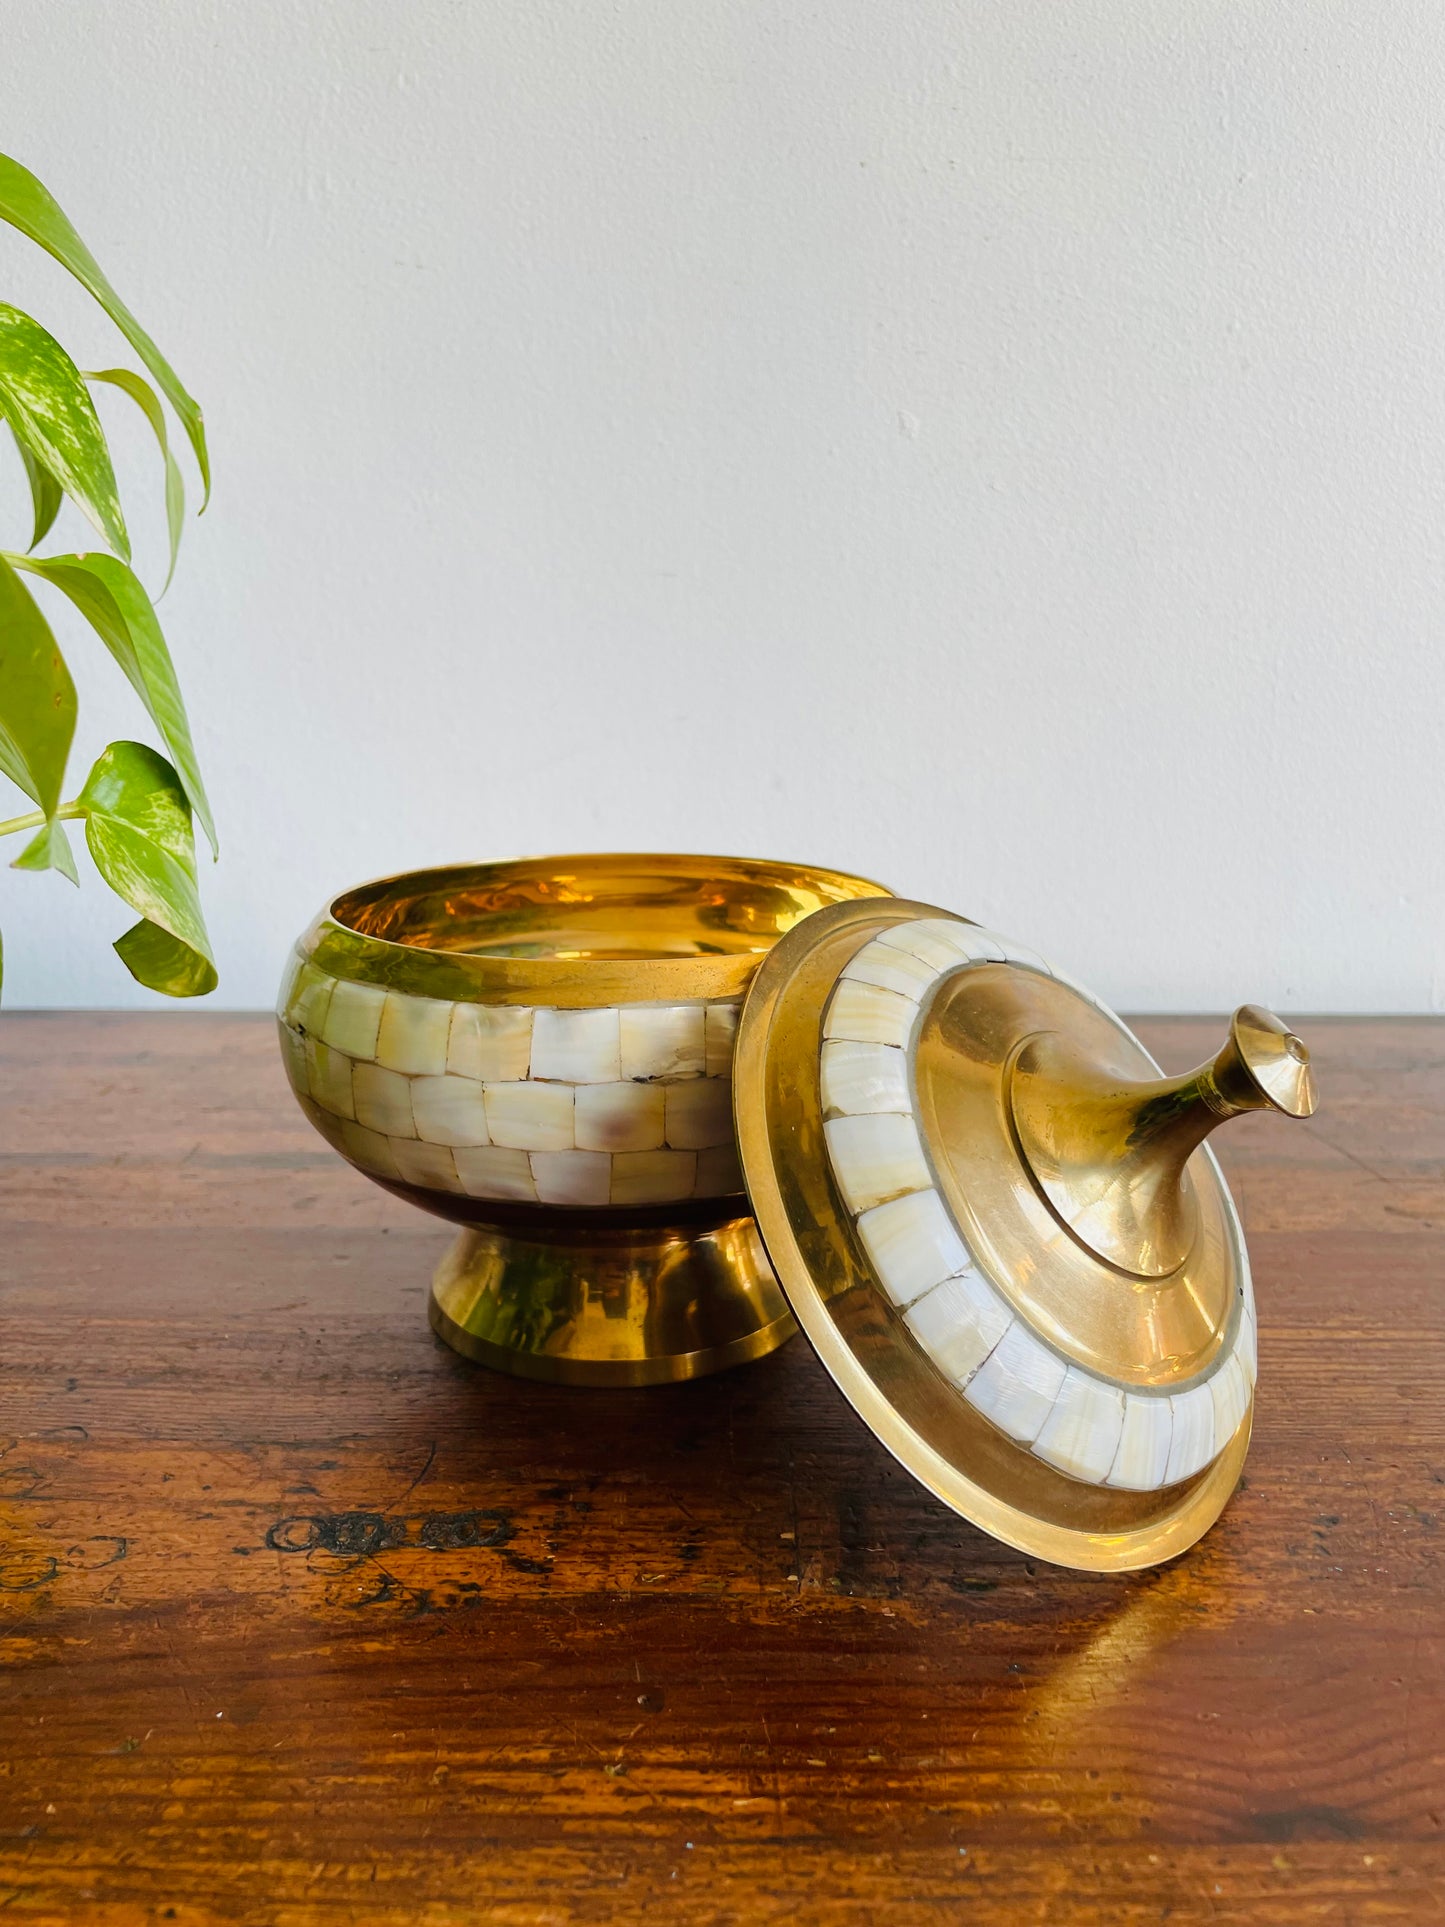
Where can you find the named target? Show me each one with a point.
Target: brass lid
(1001, 1229)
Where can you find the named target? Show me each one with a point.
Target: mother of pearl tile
(1192, 1446)
(1142, 1460)
(879, 963)
(945, 943)
(490, 1172)
(864, 1077)
(383, 1100)
(430, 1167)
(490, 1042)
(719, 1173)
(1019, 953)
(1230, 1390)
(619, 1117)
(958, 1324)
(580, 1046)
(353, 1018)
(699, 1113)
(449, 1110)
(653, 1177)
(293, 1055)
(929, 940)
(976, 943)
(663, 1040)
(530, 1117)
(866, 1014)
(413, 1034)
(309, 998)
(572, 1177)
(720, 1031)
(367, 1148)
(1017, 1384)
(912, 1245)
(875, 1156)
(328, 1077)
(1081, 1434)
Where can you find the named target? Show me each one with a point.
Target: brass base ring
(610, 1307)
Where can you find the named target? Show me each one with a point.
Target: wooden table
(305, 1620)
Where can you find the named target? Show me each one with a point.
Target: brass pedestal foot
(610, 1305)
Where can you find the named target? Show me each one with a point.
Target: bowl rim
(337, 947)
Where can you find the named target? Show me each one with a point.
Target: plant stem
(67, 813)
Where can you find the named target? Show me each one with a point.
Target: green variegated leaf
(29, 206)
(110, 597)
(137, 806)
(37, 697)
(49, 407)
(162, 962)
(49, 849)
(46, 494)
(138, 827)
(149, 403)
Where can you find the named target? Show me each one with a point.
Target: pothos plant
(136, 804)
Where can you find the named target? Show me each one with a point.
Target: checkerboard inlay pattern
(1084, 1425)
(622, 1106)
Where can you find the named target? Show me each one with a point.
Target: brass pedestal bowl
(542, 1052)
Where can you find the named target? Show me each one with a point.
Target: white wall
(995, 446)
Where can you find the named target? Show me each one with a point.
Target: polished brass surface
(1111, 1159)
(1138, 1331)
(574, 931)
(642, 1307)
(628, 1295)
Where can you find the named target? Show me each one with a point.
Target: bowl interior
(607, 908)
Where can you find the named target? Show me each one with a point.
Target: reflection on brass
(627, 1308)
(541, 1050)
(1054, 1144)
(574, 931)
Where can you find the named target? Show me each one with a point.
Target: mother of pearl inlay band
(613, 1106)
(1082, 1424)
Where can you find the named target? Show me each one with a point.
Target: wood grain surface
(305, 1620)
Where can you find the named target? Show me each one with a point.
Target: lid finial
(983, 1203)
(1109, 1158)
